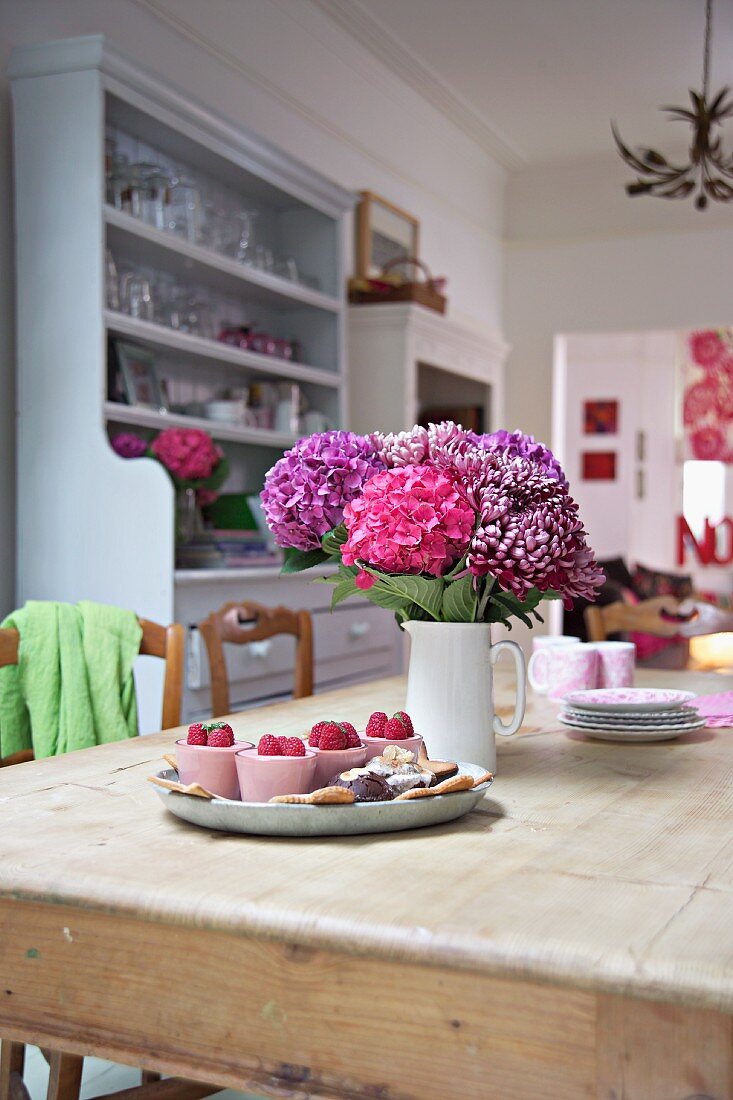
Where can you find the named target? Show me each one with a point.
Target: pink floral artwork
(707, 403)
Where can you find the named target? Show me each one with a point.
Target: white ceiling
(536, 81)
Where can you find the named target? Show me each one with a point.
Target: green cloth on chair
(73, 685)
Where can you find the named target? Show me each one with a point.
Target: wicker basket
(424, 293)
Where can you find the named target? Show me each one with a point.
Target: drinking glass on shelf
(288, 269)
(135, 296)
(111, 281)
(243, 245)
(118, 182)
(185, 210)
(156, 198)
(264, 258)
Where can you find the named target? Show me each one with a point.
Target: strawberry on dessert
(353, 740)
(403, 717)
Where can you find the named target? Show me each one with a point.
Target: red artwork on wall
(600, 417)
(598, 466)
(707, 409)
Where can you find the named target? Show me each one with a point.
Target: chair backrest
(647, 617)
(9, 656)
(241, 623)
(167, 642)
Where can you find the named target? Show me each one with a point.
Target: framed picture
(600, 417)
(383, 233)
(140, 381)
(598, 466)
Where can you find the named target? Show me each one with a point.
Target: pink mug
(617, 661)
(566, 668)
(537, 667)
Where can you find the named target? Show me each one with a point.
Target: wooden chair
(646, 617)
(167, 642)
(242, 623)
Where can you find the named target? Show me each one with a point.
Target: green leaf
(401, 590)
(333, 540)
(344, 585)
(295, 561)
(459, 601)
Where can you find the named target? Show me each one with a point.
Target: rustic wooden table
(573, 937)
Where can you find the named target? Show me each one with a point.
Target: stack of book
(240, 549)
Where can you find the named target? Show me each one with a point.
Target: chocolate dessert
(366, 786)
(396, 765)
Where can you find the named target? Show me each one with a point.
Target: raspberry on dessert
(394, 730)
(316, 731)
(196, 734)
(292, 746)
(353, 740)
(406, 721)
(270, 745)
(332, 737)
(376, 724)
(221, 739)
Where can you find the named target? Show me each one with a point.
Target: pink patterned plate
(620, 700)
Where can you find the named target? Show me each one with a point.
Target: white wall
(283, 69)
(583, 257)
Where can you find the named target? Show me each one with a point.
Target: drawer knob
(359, 630)
(260, 650)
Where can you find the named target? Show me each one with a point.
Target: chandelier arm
(706, 50)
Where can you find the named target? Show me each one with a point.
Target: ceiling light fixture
(709, 170)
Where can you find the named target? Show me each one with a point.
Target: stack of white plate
(631, 714)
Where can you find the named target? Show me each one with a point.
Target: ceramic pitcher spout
(450, 690)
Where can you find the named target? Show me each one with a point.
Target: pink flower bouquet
(190, 456)
(435, 523)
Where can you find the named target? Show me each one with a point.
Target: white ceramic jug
(450, 690)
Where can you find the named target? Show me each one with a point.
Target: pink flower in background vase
(699, 401)
(411, 519)
(708, 444)
(129, 445)
(189, 454)
(706, 348)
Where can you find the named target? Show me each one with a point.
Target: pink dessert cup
(263, 777)
(214, 769)
(330, 762)
(375, 746)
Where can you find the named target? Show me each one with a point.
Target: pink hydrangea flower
(411, 519)
(709, 444)
(706, 347)
(187, 453)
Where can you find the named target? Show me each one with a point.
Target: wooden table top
(594, 865)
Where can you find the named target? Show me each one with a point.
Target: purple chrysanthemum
(307, 490)
(129, 445)
(518, 445)
(529, 534)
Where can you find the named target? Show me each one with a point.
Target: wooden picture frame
(140, 381)
(383, 232)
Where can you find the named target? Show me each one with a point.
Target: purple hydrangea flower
(518, 445)
(307, 490)
(129, 445)
(529, 534)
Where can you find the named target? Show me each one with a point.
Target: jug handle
(506, 729)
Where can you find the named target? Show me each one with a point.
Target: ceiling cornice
(405, 65)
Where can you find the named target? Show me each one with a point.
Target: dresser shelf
(215, 351)
(156, 248)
